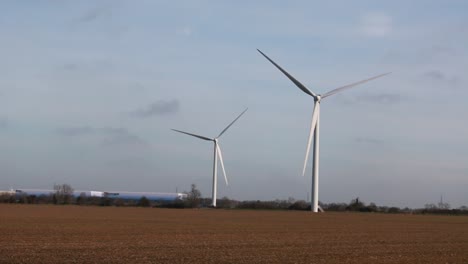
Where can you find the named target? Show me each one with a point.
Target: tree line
(63, 195)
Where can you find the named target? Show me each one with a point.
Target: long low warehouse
(153, 196)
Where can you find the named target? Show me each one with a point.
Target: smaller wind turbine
(217, 153)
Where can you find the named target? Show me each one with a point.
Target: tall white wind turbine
(217, 154)
(314, 126)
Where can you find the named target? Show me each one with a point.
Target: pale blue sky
(90, 89)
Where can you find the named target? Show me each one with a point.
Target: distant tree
(4, 198)
(355, 205)
(464, 208)
(119, 202)
(81, 199)
(224, 202)
(299, 205)
(444, 206)
(193, 197)
(393, 210)
(339, 207)
(430, 206)
(268, 205)
(23, 198)
(144, 202)
(7, 198)
(104, 201)
(44, 199)
(63, 193)
(406, 210)
(179, 204)
(31, 199)
(372, 207)
(284, 204)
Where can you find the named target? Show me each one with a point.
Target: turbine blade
(296, 82)
(193, 135)
(315, 117)
(222, 132)
(220, 155)
(334, 91)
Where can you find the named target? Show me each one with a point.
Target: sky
(89, 91)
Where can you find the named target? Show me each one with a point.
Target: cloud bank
(160, 107)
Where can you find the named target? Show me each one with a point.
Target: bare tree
(443, 206)
(355, 205)
(63, 193)
(193, 197)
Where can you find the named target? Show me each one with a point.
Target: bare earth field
(74, 234)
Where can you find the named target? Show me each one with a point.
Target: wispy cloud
(437, 75)
(160, 107)
(76, 131)
(118, 136)
(376, 24)
(111, 135)
(95, 13)
(440, 78)
(384, 98)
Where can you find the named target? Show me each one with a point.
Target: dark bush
(299, 205)
(144, 202)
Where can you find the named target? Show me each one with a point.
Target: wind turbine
(217, 153)
(314, 126)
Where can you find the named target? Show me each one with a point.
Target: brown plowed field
(74, 234)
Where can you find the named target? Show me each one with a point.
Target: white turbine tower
(314, 126)
(217, 153)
